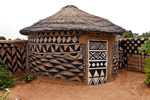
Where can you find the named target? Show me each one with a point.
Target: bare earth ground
(127, 86)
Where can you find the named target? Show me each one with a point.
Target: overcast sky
(17, 14)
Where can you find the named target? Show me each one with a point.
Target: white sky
(17, 14)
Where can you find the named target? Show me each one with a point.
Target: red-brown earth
(127, 86)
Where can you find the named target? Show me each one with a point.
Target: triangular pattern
(97, 62)
(58, 68)
(59, 53)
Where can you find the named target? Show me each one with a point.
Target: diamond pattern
(97, 55)
(97, 62)
(58, 56)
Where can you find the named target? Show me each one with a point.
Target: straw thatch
(72, 18)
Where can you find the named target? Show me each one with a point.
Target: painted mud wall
(115, 59)
(57, 55)
(63, 55)
(129, 58)
(13, 53)
(98, 62)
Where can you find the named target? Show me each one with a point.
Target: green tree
(136, 35)
(128, 34)
(146, 47)
(2, 38)
(146, 34)
(18, 38)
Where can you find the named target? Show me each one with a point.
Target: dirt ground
(127, 86)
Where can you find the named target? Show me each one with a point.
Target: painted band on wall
(57, 56)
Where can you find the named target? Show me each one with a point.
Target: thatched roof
(72, 18)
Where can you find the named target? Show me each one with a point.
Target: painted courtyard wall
(129, 58)
(13, 53)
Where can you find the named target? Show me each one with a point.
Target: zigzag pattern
(13, 57)
(97, 62)
(57, 57)
(83, 47)
(54, 48)
(58, 66)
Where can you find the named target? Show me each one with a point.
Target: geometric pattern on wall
(66, 33)
(131, 59)
(52, 48)
(115, 58)
(97, 55)
(120, 60)
(13, 56)
(97, 62)
(58, 66)
(98, 45)
(57, 55)
(55, 39)
(97, 76)
(83, 47)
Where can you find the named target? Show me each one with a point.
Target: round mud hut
(73, 46)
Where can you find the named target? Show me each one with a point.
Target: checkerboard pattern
(129, 58)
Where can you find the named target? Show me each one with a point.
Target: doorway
(97, 62)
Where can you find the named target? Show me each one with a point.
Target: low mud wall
(14, 54)
(129, 58)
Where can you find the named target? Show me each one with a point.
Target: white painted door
(97, 59)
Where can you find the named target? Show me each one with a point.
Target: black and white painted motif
(129, 58)
(57, 55)
(115, 58)
(97, 62)
(14, 57)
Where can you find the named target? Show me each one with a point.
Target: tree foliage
(136, 35)
(2, 38)
(146, 34)
(18, 38)
(146, 47)
(128, 34)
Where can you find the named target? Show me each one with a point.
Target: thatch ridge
(72, 18)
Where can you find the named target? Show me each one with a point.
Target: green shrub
(146, 47)
(26, 78)
(6, 78)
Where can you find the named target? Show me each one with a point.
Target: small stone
(69, 88)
